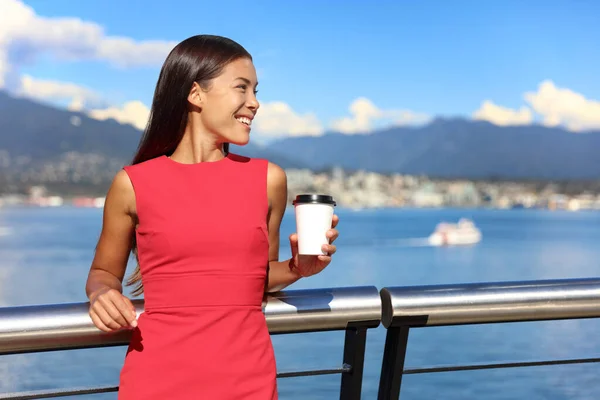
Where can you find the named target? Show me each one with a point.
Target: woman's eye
(244, 87)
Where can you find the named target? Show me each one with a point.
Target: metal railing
(478, 303)
(354, 310)
(29, 329)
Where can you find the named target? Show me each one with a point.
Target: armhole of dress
(266, 190)
(128, 171)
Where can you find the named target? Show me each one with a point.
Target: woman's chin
(240, 140)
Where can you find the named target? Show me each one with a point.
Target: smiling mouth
(244, 120)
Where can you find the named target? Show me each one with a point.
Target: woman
(204, 224)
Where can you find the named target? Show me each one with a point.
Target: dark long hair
(197, 59)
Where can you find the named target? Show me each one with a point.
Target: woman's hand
(308, 265)
(111, 311)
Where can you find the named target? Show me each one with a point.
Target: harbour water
(45, 255)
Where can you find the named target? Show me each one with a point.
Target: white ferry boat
(463, 233)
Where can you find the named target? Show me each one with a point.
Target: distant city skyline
(321, 67)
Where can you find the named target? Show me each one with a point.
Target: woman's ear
(195, 97)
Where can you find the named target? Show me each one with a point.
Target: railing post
(354, 356)
(392, 367)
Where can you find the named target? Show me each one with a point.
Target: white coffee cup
(314, 215)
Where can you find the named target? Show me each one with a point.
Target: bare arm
(280, 273)
(109, 309)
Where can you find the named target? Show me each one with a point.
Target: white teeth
(245, 120)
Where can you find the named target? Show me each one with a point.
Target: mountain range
(34, 136)
(456, 148)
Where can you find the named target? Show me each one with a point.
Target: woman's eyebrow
(246, 80)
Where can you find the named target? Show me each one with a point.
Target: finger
(106, 317)
(112, 307)
(329, 249)
(127, 310)
(98, 322)
(335, 221)
(332, 234)
(325, 259)
(294, 238)
(294, 244)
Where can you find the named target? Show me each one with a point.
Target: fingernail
(134, 323)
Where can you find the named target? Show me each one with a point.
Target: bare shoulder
(276, 186)
(276, 177)
(121, 181)
(121, 193)
(122, 184)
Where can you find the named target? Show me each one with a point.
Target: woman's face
(229, 104)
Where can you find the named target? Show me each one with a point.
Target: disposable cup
(314, 215)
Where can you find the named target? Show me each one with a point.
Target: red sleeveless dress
(203, 252)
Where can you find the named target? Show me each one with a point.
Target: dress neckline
(221, 161)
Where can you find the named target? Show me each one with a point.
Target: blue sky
(428, 58)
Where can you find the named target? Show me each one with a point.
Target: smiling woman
(206, 90)
(204, 225)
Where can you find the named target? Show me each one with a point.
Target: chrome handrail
(38, 328)
(477, 303)
(353, 309)
(406, 308)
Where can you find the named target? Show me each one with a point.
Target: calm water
(45, 256)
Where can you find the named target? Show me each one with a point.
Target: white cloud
(407, 117)
(134, 113)
(363, 112)
(25, 35)
(503, 116)
(4, 69)
(55, 90)
(553, 105)
(83, 100)
(77, 104)
(279, 119)
(559, 106)
(365, 116)
(126, 52)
